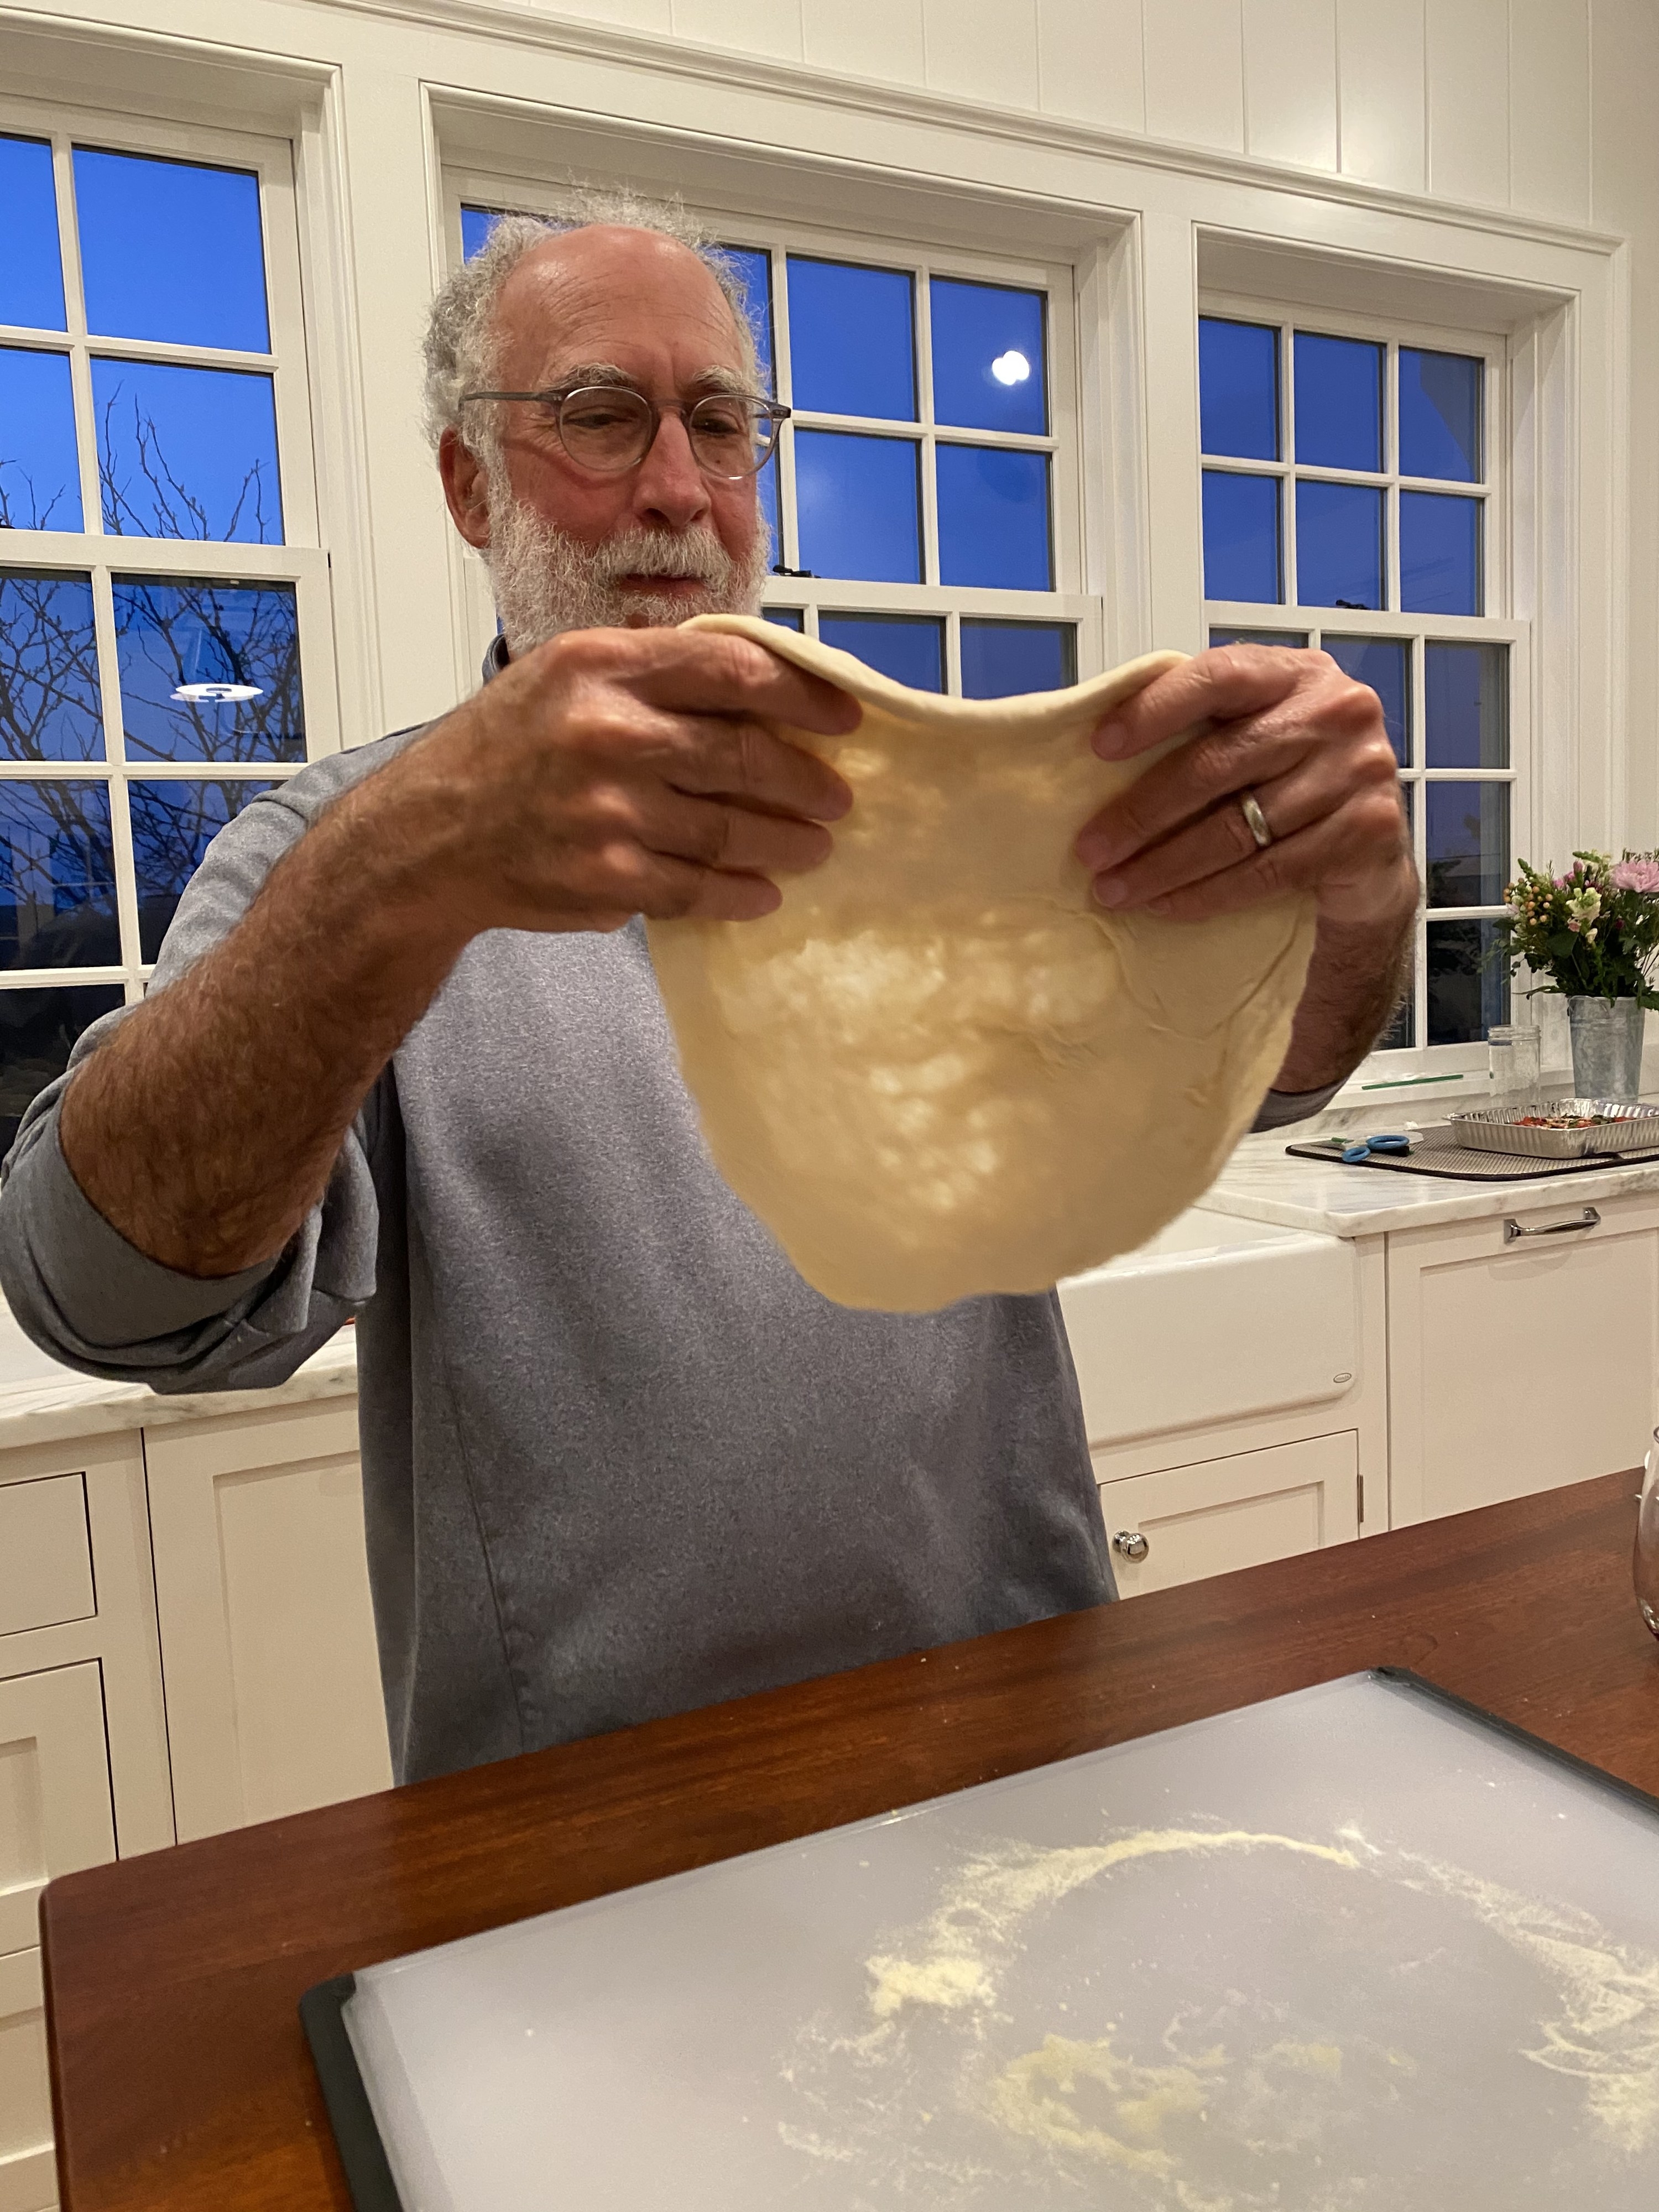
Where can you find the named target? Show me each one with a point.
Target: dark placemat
(1463, 1164)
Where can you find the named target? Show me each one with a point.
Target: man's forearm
(1357, 975)
(205, 1130)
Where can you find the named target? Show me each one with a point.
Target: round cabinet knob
(1130, 1544)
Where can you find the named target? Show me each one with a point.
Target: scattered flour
(1227, 2114)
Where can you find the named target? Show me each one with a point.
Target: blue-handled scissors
(1363, 1150)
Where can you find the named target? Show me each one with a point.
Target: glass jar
(1513, 1052)
(1647, 1539)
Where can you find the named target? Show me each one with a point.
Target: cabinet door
(268, 1652)
(29, 2176)
(1516, 1365)
(54, 1789)
(1234, 1512)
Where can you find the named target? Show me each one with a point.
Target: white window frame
(104, 556)
(920, 259)
(1420, 1063)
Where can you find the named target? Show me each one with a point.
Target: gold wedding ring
(1255, 820)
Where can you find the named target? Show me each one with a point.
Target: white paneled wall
(1483, 101)
(1290, 82)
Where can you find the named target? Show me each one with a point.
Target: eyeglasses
(609, 427)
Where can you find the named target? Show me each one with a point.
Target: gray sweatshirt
(618, 1459)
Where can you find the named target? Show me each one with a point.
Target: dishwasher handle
(1589, 1218)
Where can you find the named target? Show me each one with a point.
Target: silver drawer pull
(1589, 1219)
(1130, 1544)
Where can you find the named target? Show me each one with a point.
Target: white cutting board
(1347, 1951)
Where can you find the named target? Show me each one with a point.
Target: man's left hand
(1306, 742)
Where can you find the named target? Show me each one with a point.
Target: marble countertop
(1263, 1183)
(41, 1402)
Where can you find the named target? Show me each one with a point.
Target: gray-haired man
(403, 1058)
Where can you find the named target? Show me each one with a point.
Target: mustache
(643, 551)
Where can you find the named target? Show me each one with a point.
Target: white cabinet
(267, 1631)
(83, 1767)
(1181, 1522)
(55, 1809)
(1520, 1362)
(29, 2179)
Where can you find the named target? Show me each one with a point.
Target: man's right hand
(616, 772)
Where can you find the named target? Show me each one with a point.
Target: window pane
(170, 250)
(1467, 705)
(39, 479)
(209, 672)
(766, 494)
(1469, 990)
(908, 650)
(57, 877)
(1001, 659)
(1339, 545)
(31, 273)
(187, 452)
(173, 825)
(1339, 401)
(38, 1031)
(1439, 414)
(857, 506)
(753, 270)
(1467, 843)
(49, 702)
(785, 617)
(993, 517)
(988, 365)
(1439, 554)
(477, 223)
(1242, 558)
(1291, 637)
(1385, 663)
(1402, 1032)
(1238, 394)
(851, 350)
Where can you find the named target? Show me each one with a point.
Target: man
(403, 1058)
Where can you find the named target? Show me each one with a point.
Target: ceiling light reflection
(1010, 367)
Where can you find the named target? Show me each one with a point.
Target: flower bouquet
(1592, 936)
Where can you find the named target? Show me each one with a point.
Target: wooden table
(180, 2076)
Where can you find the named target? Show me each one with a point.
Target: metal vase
(1607, 1046)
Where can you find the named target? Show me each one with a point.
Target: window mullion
(120, 822)
(783, 377)
(86, 425)
(923, 313)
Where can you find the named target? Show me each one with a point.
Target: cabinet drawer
(45, 1558)
(55, 1812)
(1239, 1511)
(28, 2181)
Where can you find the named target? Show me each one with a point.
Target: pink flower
(1636, 876)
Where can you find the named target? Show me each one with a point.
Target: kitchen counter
(42, 1402)
(1261, 1182)
(177, 2055)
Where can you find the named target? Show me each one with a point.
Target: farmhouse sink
(1215, 1318)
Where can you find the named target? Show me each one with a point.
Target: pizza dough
(939, 1069)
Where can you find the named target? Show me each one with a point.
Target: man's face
(571, 549)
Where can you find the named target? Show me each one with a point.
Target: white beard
(546, 581)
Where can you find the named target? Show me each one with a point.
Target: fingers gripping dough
(938, 1070)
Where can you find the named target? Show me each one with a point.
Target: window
(1350, 503)
(156, 619)
(923, 498)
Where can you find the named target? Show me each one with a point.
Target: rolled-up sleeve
(91, 1299)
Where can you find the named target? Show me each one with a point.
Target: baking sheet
(1350, 1949)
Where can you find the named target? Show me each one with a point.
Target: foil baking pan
(1628, 1127)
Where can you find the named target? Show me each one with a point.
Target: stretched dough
(939, 1069)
